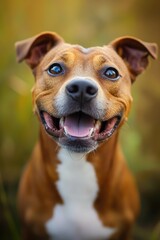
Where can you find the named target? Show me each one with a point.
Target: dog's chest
(76, 219)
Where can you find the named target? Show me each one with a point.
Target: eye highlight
(55, 69)
(111, 73)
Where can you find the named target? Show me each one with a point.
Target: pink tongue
(78, 125)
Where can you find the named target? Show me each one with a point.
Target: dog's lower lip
(99, 130)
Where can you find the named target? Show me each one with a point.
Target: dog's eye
(55, 69)
(112, 74)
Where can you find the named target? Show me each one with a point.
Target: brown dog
(77, 185)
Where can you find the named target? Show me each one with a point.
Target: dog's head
(82, 95)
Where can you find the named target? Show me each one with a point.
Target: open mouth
(80, 126)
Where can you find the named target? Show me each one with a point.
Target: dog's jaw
(78, 131)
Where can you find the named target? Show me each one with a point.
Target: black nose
(82, 90)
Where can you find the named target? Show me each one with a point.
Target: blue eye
(55, 69)
(111, 73)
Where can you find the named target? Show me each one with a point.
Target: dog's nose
(82, 90)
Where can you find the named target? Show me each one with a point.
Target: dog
(76, 185)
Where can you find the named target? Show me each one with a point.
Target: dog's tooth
(90, 132)
(65, 130)
(97, 125)
(97, 129)
(61, 122)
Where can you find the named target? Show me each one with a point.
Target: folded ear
(33, 49)
(135, 53)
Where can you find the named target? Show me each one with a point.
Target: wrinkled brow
(83, 49)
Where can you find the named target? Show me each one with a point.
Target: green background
(89, 23)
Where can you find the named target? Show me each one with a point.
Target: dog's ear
(135, 53)
(32, 50)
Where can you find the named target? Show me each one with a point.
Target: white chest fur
(76, 219)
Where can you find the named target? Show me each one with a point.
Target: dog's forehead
(72, 55)
(83, 49)
(90, 50)
(96, 53)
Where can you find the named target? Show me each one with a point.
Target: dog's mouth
(80, 126)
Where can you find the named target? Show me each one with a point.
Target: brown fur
(117, 203)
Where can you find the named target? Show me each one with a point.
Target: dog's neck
(109, 149)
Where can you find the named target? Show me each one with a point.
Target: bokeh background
(87, 22)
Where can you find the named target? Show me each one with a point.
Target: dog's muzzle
(81, 129)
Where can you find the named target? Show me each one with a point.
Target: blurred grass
(9, 224)
(91, 22)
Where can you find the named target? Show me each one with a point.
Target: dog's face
(82, 96)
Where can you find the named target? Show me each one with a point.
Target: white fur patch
(76, 219)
